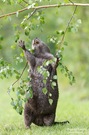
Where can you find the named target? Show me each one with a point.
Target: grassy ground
(70, 107)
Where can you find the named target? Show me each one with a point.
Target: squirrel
(38, 109)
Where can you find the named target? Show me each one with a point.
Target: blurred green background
(75, 55)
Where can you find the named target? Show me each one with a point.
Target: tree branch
(44, 7)
(20, 75)
(62, 40)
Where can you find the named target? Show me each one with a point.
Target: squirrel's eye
(37, 42)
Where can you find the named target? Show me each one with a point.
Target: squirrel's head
(36, 42)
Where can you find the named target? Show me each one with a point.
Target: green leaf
(13, 47)
(16, 37)
(53, 39)
(63, 70)
(31, 6)
(42, 20)
(47, 63)
(62, 48)
(2, 62)
(22, 54)
(79, 21)
(44, 81)
(57, 32)
(29, 93)
(19, 60)
(45, 74)
(65, 43)
(19, 110)
(22, 92)
(17, 76)
(0, 46)
(20, 102)
(26, 32)
(50, 94)
(44, 90)
(18, 93)
(12, 103)
(55, 77)
(53, 83)
(61, 32)
(50, 101)
(1, 37)
(58, 54)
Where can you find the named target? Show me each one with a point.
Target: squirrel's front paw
(22, 44)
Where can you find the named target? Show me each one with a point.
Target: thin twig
(62, 40)
(32, 13)
(71, 1)
(29, 16)
(21, 5)
(16, 81)
(44, 7)
(20, 75)
(25, 1)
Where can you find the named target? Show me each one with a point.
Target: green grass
(70, 107)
